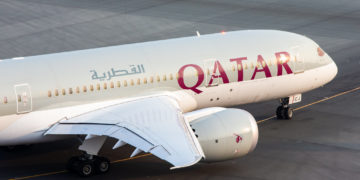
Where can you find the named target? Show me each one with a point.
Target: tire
(288, 113)
(86, 168)
(279, 112)
(102, 165)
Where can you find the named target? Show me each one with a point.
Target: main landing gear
(284, 111)
(87, 165)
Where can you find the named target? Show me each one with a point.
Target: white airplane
(163, 97)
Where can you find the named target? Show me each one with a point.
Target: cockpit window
(320, 51)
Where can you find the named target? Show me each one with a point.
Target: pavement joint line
(144, 155)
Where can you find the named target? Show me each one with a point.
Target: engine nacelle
(224, 133)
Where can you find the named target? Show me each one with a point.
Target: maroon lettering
(265, 68)
(282, 60)
(200, 76)
(239, 66)
(223, 76)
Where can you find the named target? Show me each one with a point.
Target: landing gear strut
(87, 165)
(284, 111)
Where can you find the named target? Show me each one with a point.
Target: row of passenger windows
(144, 81)
(251, 65)
(110, 85)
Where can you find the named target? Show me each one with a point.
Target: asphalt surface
(321, 142)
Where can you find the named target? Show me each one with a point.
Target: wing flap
(153, 124)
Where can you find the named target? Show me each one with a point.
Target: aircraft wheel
(288, 113)
(86, 168)
(102, 165)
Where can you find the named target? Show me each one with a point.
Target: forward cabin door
(298, 59)
(209, 67)
(23, 98)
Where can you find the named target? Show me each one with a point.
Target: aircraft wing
(152, 124)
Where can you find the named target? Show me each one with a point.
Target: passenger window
(151, 79)
(49, 93)
(118, 84)
(105, 86)
(164, 77)
(171, 77)
(77, 90)
(125, 83)
(19, 98)
(98, 86)
(70, 91)
(158, 78)
(5, 100)
(56, 92)
(84, 89)
(145, 80)
(91, 87)
(239, 67)
(132, 82)
(112, 85)
(138, 81)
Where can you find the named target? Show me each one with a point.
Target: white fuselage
(207, 71)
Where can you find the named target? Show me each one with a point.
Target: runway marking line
(144, 155)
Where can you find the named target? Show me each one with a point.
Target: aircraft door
(209, 66)
(23, 98)
(298, 59)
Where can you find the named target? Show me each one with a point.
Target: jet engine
(224, 133)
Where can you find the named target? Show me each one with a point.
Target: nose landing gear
(284, 111)
(88, 165)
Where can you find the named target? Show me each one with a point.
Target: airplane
(165, 97)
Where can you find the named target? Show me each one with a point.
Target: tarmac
(321, 142)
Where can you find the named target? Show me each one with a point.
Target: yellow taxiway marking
(261, 121)
(39, 175)
(144, 155)
(127, 159)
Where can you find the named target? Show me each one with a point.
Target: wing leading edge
(153, 124)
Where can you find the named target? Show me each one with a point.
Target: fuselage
(211, 70)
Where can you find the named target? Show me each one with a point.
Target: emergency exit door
(23, 98)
